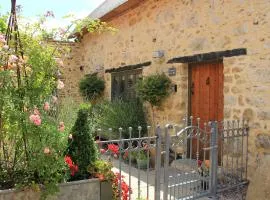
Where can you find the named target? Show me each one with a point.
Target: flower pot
(142, 164)
(133, 157)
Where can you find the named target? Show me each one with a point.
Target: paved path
(139, 188)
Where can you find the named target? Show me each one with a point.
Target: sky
(60, 8)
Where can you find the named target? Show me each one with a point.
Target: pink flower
(60, 85)
(36, 111)
(46, 106)
(61, 127)
(13, 58)
(35, 119)
(37, 122)
(102, 151)
(47, 150)
(54, 99)
(5, 47)
(2, 38)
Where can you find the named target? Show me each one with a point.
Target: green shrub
(154, 88)
(82, 148)
(118, 114)
(91, 87)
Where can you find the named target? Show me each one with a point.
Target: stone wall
(184, 28)
(72, 71)
(78, 190)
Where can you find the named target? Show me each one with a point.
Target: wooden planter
(91, 189)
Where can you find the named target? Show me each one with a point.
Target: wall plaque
(172, 71)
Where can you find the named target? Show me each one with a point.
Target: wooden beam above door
(206, 57)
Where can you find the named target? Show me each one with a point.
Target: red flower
(113, 148)
(68, 160)
(125, 156)
(200, 163)
(72, 167)
(124, 186)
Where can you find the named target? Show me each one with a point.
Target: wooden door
(206, 94)
(207, 91)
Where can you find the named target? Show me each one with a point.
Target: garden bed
(83, 190)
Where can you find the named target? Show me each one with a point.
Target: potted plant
(109, 181)
(142, 160)
(204, 170)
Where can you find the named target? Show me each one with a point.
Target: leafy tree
(153, 89)
(82, 148)
(92, 87)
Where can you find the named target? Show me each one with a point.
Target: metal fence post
(158, 163)
(166, 162)
(213, 159)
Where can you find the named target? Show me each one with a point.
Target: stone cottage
(216, 52)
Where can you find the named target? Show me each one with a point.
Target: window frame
(122, 88)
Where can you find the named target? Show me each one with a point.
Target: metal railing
(198, 160)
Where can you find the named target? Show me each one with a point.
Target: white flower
(60, 85)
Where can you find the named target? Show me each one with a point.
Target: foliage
(3, 25)
(91, 87)
(82, 148)
(33, 136)
(31, 142)
(141, 155)
(103, 170)
(67, 111)
(118, 114)
(154, 88)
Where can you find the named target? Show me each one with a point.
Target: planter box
(77, 190)
(142, 164)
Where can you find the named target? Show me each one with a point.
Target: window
(123, 84)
